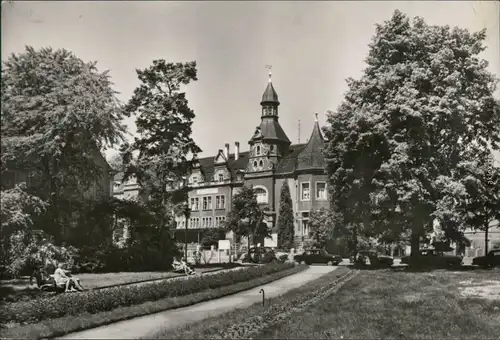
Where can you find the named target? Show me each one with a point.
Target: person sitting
(40, 280)
(63, 279)
(180, 265)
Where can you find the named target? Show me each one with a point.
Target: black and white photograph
(250, 170)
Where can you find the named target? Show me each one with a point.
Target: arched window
(261, 194)
(261, 164)
(257, 150)
(255, 164)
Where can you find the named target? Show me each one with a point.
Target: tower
(269, 142)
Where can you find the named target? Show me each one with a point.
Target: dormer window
(220, 177)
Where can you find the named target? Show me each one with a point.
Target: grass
(373, 305)
(15, 290)
(221, 323)
(61, 326)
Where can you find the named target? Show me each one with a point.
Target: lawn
(374, 304)
(12, 290)
(124, 302)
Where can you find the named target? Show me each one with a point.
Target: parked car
(372, 258)
(260, 255)
(318, 256)
(492, 259)
(433, 258)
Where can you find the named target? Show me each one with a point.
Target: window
(305, 192)
(207, 203)
(220, 202)
(194, 179)
(257, 150)
(206, 222)
(255, 164)
(238, 177)
(261, 164)
(261, 195)
(320, 190)
(271, 148)
(305, 224)
(195, 204)
(219, 221)
(194, 222)
(220, 177)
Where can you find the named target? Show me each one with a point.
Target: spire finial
(316, 117)
(269, 67)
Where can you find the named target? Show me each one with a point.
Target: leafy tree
(212, 236)
(483, 203)
(399, 141)
(286, 228)
(18, 212)
(165, 142)
(321, 224)
(246, 218)
(58, 112)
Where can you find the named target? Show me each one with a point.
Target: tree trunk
(355, 240)
(486, 229)
(415, 244)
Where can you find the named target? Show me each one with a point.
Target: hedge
(108, 299)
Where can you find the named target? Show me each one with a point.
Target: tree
(321, 224)
(58, 112)
(18, 212)
(483, 203)
(164, 121)
(285, 220)
(246, 218)
(398, 143)
(212, 236)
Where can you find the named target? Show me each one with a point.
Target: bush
(108, 299)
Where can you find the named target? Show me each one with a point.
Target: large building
(271, 160)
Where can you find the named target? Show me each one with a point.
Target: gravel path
(147, 326)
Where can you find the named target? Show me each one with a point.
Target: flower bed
(98, 301)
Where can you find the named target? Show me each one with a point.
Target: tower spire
(316, 117)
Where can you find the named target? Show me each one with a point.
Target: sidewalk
(147, 326)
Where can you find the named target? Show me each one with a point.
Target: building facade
(270, 161)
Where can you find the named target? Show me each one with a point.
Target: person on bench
(40, 280)
(64, 279)
(180, 265)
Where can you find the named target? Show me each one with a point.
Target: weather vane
(269, 67)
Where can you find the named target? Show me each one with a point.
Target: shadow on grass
(418, 269)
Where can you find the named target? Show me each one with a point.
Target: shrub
(108, 299)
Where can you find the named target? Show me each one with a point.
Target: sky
(313, 48)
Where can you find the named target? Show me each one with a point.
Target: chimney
(226, 150)
(236, 150)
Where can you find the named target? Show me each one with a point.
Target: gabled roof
(207, 164)
(312, 156)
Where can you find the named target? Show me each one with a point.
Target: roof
(270, 129)
(312, 156)
(270, 95)
(288, 163)
(207, 164)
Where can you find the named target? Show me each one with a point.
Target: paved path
(147, 326)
